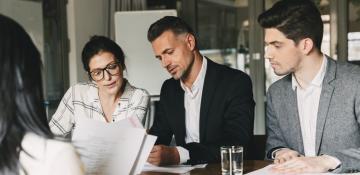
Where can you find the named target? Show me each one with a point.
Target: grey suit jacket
(338, 119)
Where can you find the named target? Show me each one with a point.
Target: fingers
(285, 155)
(155, 148)
(301, 165)
(154, 156)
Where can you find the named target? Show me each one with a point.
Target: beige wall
(85, 18)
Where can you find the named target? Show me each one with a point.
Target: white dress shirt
(308, 103)
(308, 100)
(192, 104)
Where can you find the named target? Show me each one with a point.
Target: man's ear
(190, 41)
(306, 45)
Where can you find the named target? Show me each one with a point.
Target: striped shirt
(82, 100)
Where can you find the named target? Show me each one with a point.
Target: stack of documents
(112, 148)
(266, 170)
(179, 169)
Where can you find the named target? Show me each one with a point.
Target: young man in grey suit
(313, 113)
(204, 105)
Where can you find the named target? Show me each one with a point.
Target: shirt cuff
(184, 154)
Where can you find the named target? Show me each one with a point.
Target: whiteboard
(143, 69)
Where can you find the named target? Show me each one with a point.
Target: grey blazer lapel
(293, 121)
(325, 98)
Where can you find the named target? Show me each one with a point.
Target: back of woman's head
(21, 106)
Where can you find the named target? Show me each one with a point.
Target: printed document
(112, 148)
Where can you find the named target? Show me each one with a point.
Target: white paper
(148, 144)
(109, 148)
(171, 169)
(266, 170)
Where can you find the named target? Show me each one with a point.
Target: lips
(111, 84)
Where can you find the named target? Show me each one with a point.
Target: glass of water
(237, 160)
(226, 166)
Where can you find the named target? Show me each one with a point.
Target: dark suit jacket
(226, 113)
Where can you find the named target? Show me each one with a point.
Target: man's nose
(267, 53)
(165, 62)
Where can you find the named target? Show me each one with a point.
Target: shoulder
(347, 71)
(135, 93)
(170, 83)
(280, 85)
(82, 88)
(228, 74)
(45, 149)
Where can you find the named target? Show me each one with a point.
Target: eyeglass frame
(105, 69)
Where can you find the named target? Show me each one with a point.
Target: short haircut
(98, 44)
(296, 19)
(175, 24)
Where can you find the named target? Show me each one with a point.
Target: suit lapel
(179, 114)
(293, 121)
(209, 88)
(325, 98)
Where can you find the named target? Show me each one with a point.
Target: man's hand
(164, 155)
(285, 154)
(297, 165)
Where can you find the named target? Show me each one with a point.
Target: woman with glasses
(108, 97)
(27, 145)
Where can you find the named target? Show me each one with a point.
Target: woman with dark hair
(26, 142)
(108, 97)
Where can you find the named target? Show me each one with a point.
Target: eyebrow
(273, 42)
(113, 62)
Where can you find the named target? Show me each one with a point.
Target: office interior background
(227, 30)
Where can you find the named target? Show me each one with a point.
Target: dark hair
(98, 44)
(172, 23)
(296, 19)
(21, 107)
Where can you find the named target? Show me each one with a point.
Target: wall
(85, 18)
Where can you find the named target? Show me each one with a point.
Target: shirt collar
(318, 79)
(199, 81)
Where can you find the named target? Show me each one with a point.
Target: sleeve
(66, 161)
(62, 122)
(141, 100)
(184, 154)
(350, 158)
(274, 135)
(161, 127)
(237, 129)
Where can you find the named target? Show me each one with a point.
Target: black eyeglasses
(111, 68)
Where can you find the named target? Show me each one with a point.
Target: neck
(194, 70)
(308, 68)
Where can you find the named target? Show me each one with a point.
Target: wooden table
(215, 169)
